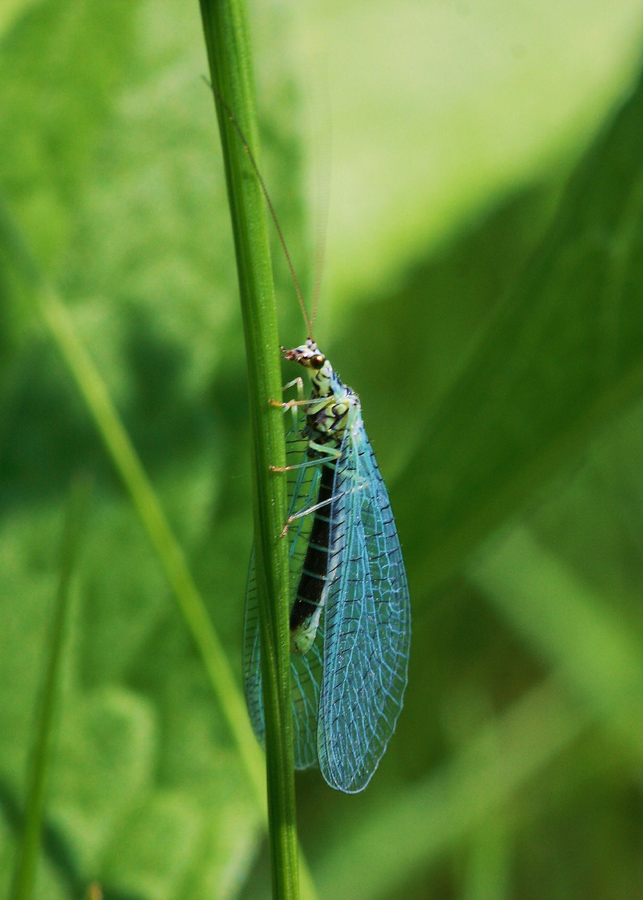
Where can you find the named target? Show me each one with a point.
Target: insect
(350, 619)
(350, 622)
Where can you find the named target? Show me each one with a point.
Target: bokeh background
(483, 292)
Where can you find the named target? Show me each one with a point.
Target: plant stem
(27, 857)
(127, 463)
(226, 35)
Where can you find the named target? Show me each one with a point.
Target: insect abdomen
(308, 605)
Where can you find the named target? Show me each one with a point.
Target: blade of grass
(167, 547)
(569, 625)
(401, 838)
(27, 856)
(150, 511)
(561, 356)
(225, 26)
(488, 866)
(146, 503)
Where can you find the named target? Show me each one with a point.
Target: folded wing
(367, 622)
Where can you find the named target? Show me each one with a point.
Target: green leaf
(453, 127)
(571, 626)
(419, 823)
(60, 63)
(438, 108)
(560, 357)
(26, 863)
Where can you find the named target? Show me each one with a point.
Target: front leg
(290, 403)
(328, 453)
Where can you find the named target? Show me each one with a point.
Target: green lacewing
(350, 619)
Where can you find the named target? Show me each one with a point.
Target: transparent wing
(306, 671)
(367, 622)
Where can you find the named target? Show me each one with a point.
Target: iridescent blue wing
(367, 622)
(306, 671)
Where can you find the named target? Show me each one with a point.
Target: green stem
(151, 513)
(27, 857)
(126, 461)
(226, 35)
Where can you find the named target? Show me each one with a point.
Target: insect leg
(299, 381)
(290, 404)
(329, 455)
(309, 511)
(300, 393)
(294, 405)
(316, 506)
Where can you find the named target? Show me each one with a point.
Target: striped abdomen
(308, 605)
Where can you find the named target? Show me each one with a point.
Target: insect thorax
(327, 419)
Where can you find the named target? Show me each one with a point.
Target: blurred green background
(483, 293)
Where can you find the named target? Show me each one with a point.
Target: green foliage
(27, 858)
(487, 310)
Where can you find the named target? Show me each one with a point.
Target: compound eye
(318, 361)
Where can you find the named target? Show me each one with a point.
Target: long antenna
(320, 253)
(321, 226)
(323, 160)
(264, 190)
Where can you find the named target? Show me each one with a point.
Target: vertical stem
(27, 856)
(226, 35)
